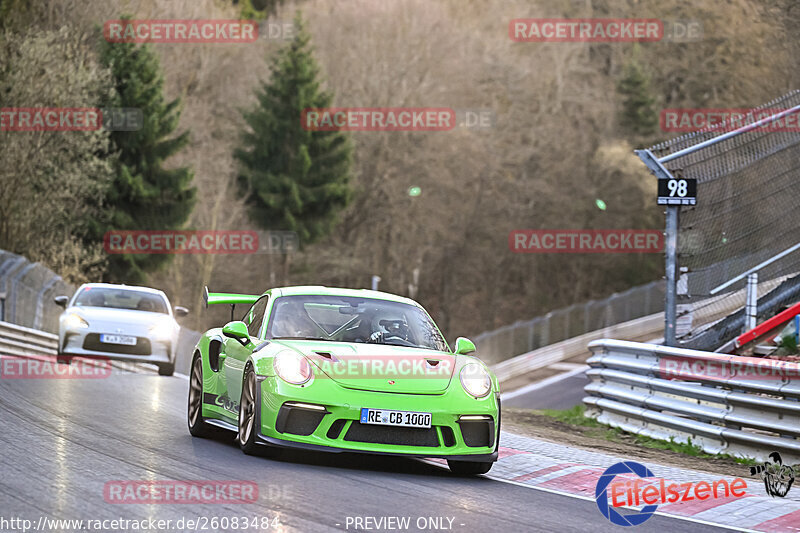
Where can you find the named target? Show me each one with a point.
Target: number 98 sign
(677, 191)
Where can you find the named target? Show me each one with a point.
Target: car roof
(338, 291)
(121, 286)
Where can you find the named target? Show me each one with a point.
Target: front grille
(298, 421)
(92, 342)
(397, 436)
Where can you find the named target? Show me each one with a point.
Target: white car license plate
(387, 417)
(118, 339)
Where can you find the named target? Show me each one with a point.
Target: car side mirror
(180, 311)
(61, 300)
(464, 346)
(237, 330)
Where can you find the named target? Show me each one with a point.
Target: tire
(166, 369)
(250, 416)
(63, 359)
(198, 426)
(247, 413)
(469, 468)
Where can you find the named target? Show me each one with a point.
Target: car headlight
(292, 367)
(75, 321)
(162, 331)
(475, 380)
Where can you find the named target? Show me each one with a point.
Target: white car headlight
(475, 380)
(163, 331)
(75, 321)
(292, 367)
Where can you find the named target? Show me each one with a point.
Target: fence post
(751, 305)
(670, 251)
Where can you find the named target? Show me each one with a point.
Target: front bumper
(330, 449)
(83, 343)
(338, 429)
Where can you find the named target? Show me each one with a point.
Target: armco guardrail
(743, 406)
(18, 340)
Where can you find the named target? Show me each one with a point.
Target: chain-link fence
(747, 202)
(26, 293)
(556, 326)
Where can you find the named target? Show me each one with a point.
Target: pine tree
(638, 112)
(144, 195)
(294, 179)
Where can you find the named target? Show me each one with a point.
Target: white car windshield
(352, 319)
(121, 299)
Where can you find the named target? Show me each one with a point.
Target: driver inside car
(292, 320)
(393, 329)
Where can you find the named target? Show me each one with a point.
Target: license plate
(387, 417)
(118, 339)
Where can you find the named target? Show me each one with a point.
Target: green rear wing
(213, 298)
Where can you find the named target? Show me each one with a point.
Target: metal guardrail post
(751, 306)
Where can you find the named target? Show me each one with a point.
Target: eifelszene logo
(649, 491)
(601, 497)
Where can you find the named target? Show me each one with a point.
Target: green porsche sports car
(343, 370)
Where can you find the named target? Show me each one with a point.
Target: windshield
(351, 319)
(121, 299)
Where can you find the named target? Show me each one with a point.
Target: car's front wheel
(249, 419)
(198, 427)
(247, 413)
(469, 468)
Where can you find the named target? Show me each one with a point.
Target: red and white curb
(574, 472)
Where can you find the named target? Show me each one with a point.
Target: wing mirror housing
(180, 311)
(464, 346)
(61, 301)
(237, 330)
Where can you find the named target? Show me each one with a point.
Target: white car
(120, 322)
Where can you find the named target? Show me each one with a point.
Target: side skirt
(222, 424)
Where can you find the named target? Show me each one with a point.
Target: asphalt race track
(563, 394)
(64, 439)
